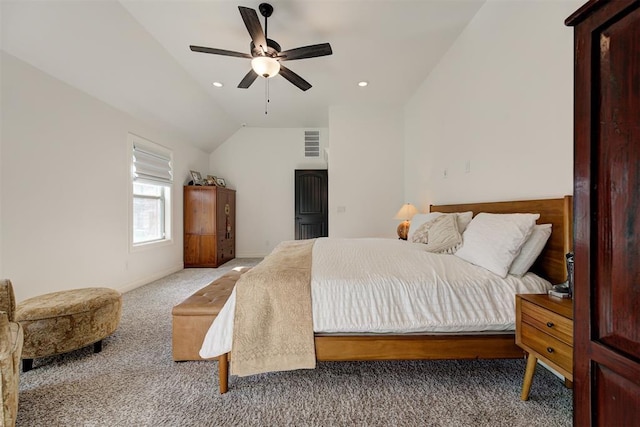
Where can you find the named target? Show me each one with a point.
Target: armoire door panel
(615, 395)
(616, 235)
(231, 219)
(191, 249)
(621, 364)
(198, 212)
(200, 249)
(206, 219)
(208, 250)
(193, 214)
(220, 210)
(226, 219)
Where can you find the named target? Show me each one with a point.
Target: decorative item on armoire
(196, 178)
(406, 212)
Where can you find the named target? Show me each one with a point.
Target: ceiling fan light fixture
(265, 66)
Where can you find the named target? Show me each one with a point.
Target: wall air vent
(312, 143)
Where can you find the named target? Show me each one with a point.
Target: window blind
(151, 165)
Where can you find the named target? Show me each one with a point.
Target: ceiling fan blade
(250, 18)
(312, 51)
(248, 79)
(294, 78)
(219, 51)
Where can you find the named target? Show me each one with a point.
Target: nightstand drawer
(548, 322)
(548, 346)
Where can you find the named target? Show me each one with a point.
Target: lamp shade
(265, 66)
(406, 212)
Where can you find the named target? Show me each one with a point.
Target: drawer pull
(550, 324)
(549, 350)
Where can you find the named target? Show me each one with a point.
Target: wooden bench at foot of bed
(193, 317)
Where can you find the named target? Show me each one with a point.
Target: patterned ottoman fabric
(10, 351)
(60, 322)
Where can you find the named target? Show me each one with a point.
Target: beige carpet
(134, 382)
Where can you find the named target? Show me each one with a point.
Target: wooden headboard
(551, 263)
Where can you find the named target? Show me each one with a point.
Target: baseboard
(148, 279)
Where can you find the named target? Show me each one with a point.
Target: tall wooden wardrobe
(607, 213)
(209, 226)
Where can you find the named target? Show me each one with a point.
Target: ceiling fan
(266, 55)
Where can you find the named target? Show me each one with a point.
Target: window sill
(140, 247)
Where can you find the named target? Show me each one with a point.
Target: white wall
(65, 185)
(500, 99)
(1, 186)
(259, 163)
(365, 171)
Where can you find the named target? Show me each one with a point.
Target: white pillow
(531, 250)
(493, 241)
(463, 219)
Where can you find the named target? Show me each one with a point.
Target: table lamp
(406, 212)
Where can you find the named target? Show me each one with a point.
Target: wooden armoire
(607, 213)
(209, 226)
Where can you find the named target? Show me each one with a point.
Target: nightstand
(544, 329)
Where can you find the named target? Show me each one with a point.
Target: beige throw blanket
(273, 324)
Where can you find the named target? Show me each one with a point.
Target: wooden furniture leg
(528, 376)
(223, 372)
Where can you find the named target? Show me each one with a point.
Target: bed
(459, 345)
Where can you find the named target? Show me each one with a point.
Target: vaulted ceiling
(134, 55)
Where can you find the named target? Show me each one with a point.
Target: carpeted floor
(134, 382)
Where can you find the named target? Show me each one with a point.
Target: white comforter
(387, 286)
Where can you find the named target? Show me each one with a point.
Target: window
(152, 177)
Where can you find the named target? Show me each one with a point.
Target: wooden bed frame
(550, 264)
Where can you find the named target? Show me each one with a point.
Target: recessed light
(363, 83)
(217, 84)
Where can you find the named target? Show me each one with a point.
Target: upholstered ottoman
(63, 321)
(193, 316)
(10, 351)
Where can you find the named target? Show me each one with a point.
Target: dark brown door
(311, 204)
(607, 214)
